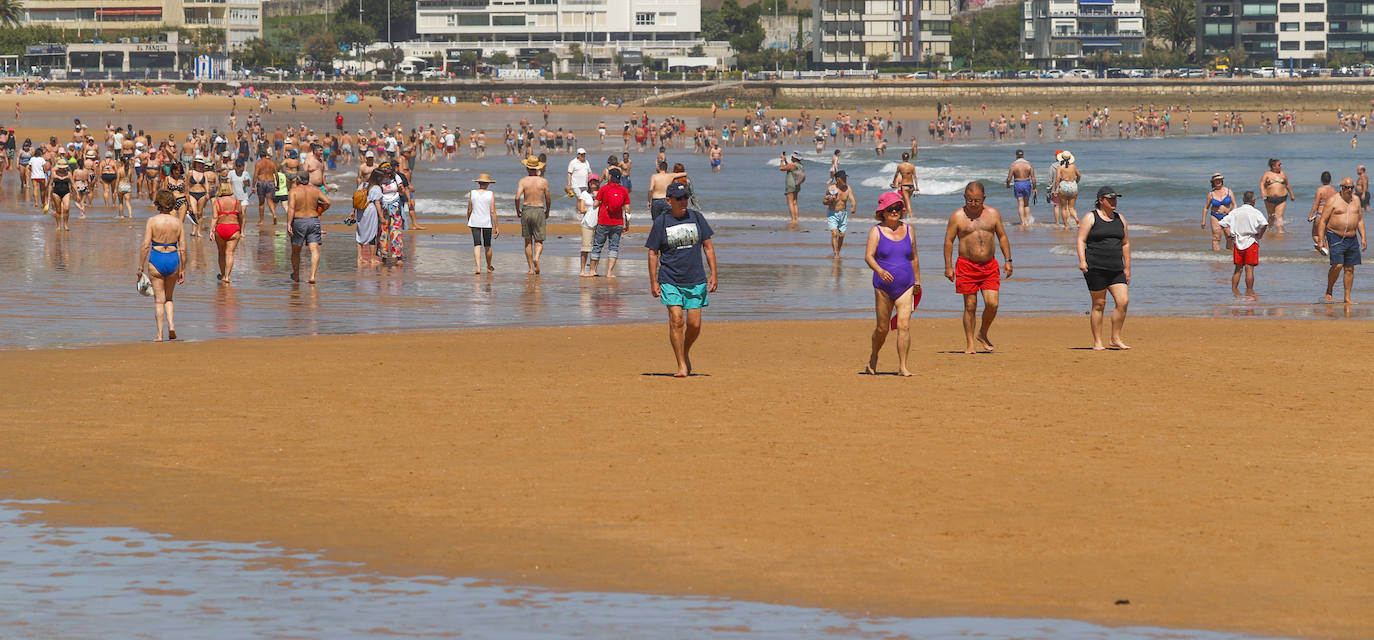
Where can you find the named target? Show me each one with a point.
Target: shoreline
(783, 477)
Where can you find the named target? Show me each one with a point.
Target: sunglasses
(1347, 186)
(896, 208)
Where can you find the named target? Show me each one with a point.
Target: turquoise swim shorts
(693, 297)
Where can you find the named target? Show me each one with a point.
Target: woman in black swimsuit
(198, 190)
(108, 174)
(1104, 257)
(59, 196)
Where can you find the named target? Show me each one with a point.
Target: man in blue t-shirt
(676, 275)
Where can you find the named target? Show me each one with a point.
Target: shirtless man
(265, 182)
(1021, 178)
(1277, 191)
(365, 169)
(976, 228)
(304, 204)
(658, 189)
(905, 179)
(838, 197)
(1319, 198)
(1362, 187)
(314, 167)
(716, 160)
(1342, 236)
(532, 206)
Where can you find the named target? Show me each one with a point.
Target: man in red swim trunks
(976, 227)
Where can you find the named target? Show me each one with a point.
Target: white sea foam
(1196, 256)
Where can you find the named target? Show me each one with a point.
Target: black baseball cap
(1108, 192)
(678, 190)
(841, 174)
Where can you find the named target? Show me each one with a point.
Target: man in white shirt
(1246, 225)
(578, 170)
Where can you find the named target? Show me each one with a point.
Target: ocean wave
(929, 187)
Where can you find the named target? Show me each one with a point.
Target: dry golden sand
(1218, 476)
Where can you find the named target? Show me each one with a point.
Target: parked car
(433, 73)
(1264, 72)
(1194, 72)
(1116, 72)
(1081, 73)
(962, 74)
(922, 75)
(1053, 74)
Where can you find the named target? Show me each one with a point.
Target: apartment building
(557, 21)
(851, 33)
(241, 20)
(1061, 33)
(1284, 33)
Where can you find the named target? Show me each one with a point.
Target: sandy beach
(1216, 477)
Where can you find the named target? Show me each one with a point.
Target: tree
(696, 51)
(374, 15)
(576, 54)
(878, 59)
(322, 49)
(1173, 21)
(989, 38)
(11, 12)
(468, 59)
(499, 58)
(350, 33)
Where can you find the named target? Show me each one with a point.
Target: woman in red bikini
(228, 221)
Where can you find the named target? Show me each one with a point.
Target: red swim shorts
(972, 277)
(1248, 255)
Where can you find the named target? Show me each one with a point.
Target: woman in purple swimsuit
(891, 254)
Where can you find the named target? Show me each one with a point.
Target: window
(1223, 29)
(1288, 46)
(644, 19)
(1264, 27)
(1218, 10)
(1314, 7)
(1314, 45)
(508, 21)
(668, 19)
(1289, 7)
(936, 27)
(1314, 26)
(1249, 9)
(1288, 26)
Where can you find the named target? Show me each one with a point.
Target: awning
(129, 12)
(1097, 2)
(1101, 43)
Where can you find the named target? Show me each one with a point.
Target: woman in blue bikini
(891, 254)
(163, 259)
(1220, 201)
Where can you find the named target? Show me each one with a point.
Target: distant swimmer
(1065, 186)
(1021, 179)
(978, 229)
(1342, 234)
(163, 259)
(1277, 191)
(891, 254)
(1219, 202)
(1245, 225)
(1104, 257)
(904, 180)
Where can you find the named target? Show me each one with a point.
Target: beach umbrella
(388, 88)
(351, 99)
(235, 83)
(310, 91)
(364, 84)
(402, 89)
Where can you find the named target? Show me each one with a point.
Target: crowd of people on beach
(210, 179)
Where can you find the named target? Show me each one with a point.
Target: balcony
(1097, 33)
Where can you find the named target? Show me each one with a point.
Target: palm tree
(11, 11)
(1175, 22)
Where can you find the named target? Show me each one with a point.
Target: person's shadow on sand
(694, 374)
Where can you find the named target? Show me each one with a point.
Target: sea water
(118, 582)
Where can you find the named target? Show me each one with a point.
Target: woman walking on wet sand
(1277, 191)
(1220, 201)
(1104, 257)
(891, 254)
(1064, 189)
(227, 224)
(163, 258)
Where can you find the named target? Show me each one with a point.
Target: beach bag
(360, 199)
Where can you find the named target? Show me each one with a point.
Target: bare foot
(1349, 301)
(490, 268)
(477, 272)
(419, 228)
(295, 277)
(157, 339)
(610, 275)
(588, 275)
(1328, 299)
(536, 268)
(871, 369)
(681, 374)
(983, 340)
(904, 373)
(1099, 347)
(310, 281)
(529, 272)
(224, 280)
(1118, 344)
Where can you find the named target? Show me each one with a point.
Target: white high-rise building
(851, 33)
(1060, 33)
(552, 21)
